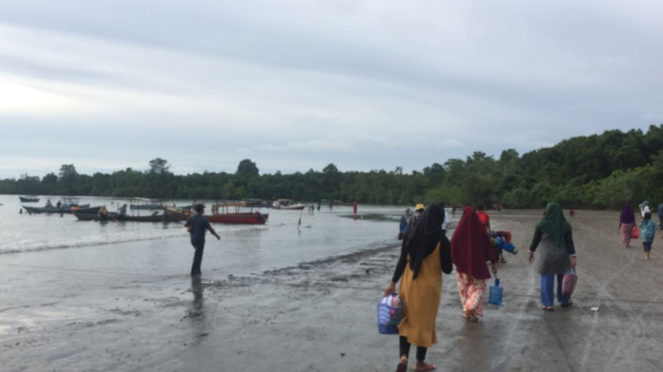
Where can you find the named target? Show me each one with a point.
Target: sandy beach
(320, 315)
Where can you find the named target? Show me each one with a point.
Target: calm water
(51, 241)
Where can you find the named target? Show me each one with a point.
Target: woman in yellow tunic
(425, 254)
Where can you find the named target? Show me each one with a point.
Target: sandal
(547, 308)
(567, 304)
(401, 367)
(473, 318)
(427, 367)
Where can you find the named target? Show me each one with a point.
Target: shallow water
(164, 249)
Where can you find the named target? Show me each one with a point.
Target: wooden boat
(176, 214)
(221, 213)
(288, 204)
(146, 207)
(94, 217)
(85, 208)
(255, 218)
(151, 218)
(29, 199)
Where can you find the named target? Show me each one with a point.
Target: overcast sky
(366, 85)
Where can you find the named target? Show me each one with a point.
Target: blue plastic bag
(390, 314)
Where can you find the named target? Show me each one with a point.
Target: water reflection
(196, 311)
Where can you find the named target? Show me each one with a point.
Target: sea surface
(52, 241)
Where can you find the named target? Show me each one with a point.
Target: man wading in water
(197, 226)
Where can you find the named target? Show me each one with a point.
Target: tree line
(597, 171)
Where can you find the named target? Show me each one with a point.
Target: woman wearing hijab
(470, 250)
(558, 254)
(425, 254)
(644, 208)
(626, 224)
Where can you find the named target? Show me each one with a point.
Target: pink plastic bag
(569, 283)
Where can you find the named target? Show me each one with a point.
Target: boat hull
(28, 200)
(291, 207)
(85, 209)
(239, 218)
(94, 217)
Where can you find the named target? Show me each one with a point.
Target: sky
(296, 85)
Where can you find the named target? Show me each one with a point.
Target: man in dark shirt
(197, 225)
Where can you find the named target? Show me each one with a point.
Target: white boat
(287, 204)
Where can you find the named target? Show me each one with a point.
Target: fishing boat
(95, 217)
(221, 213)
(29, 199)
(287, 204)
(84, 209)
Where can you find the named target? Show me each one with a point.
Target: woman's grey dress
(553, 259)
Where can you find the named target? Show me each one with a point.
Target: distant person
(103, 214)
(424, 257)
(659, 211)
(446, 220)
(405, 223)
(331, 204)
(49, 204)
(453, 209)
(572, 213)
(58, 205)
(319, 204)
(418, 212)
(626, 224)
(648, 229)
(121, 213)
(558, 254)
(197, 225)
(354, 209)
(483, 217)
(20, 211)
(470, 250)
(644, 208)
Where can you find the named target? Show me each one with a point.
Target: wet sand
(320, 316)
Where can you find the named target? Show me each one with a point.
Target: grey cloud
(350, 83)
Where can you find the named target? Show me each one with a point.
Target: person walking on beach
(425, 254)
(470, 249)
(626, 224)
(354, 209)
(484, 218)
(659, 212)
(405, 223)
(648, 228)
(558, 254)
(644, 208)
(197, 225)
(445, 223)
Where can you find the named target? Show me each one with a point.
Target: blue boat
(29, 199)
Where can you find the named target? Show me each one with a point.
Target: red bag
(635, 233)
(569, 283)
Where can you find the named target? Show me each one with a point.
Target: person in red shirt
(484, 218)
(354, 209)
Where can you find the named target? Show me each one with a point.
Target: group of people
(426, 253)
(627, 225)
